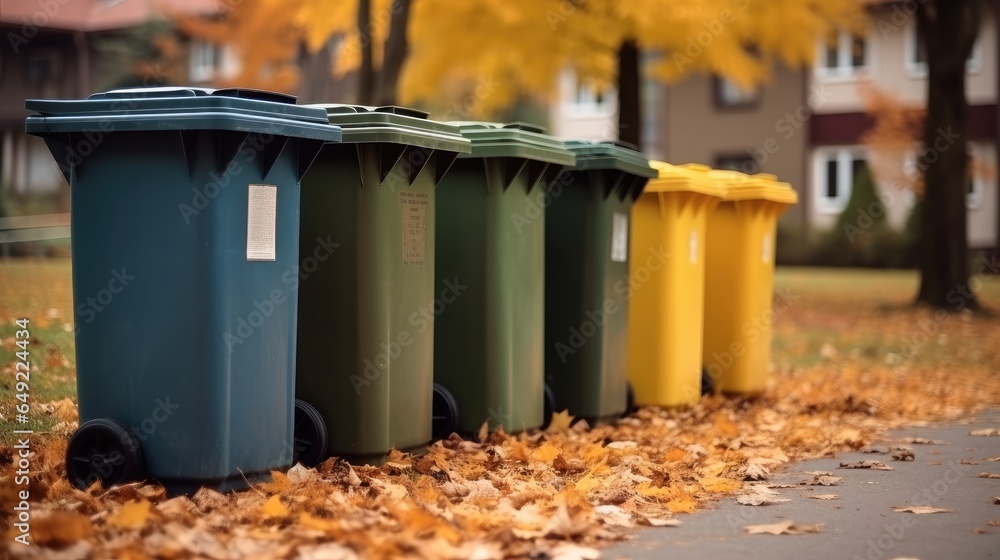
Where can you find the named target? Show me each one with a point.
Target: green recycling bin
(587, 281)
(185, 216)
(366, 300)
(489, 354)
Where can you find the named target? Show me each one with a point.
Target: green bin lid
(181, 108)
(514, 140)
(610, 155)
(394, 125)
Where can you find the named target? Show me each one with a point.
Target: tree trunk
(629, 89)
(396, 49)
(366, 71)
(949, 28)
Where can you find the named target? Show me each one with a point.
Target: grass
(860, 316)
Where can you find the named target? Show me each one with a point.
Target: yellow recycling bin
(667, 274)
(739, 280)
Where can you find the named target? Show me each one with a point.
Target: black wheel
(103, 449)
(444, 415)
(550, 406)
(707, 383)
(629, 401)
(311, 436)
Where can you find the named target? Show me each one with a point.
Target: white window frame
(914, 69)
(973, 200)
(578, 99)
(205, 59)
(844, 156)
(844, 71)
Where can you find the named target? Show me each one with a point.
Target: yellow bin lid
(690, 177)
(761, 186)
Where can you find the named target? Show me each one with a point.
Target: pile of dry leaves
(563, 491)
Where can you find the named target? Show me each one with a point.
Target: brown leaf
(823, 497)
(996, 500)
(874, 465)
(988, 475)
(924, 441)
(59, 528)
(760, 497)
(903, 455)
(133, 515)
(783, 528)
(920, 509)
(985, 432)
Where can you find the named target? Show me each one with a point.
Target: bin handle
(257, 94)
(153, 92)
(529, 127)
(624, 144)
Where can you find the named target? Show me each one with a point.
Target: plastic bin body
(739, 281)
(667, 262)
(185, 214)
(587, 279)
(367, 299)
(490, 343)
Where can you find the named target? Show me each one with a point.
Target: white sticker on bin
(619, 237)
(766, 257)
(262, 213)
(693, 247)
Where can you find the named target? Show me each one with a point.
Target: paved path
(859, 524)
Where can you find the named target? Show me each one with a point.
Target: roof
(101, 15)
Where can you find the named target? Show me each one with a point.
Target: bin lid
(516, 140)
(181, 108)
(394, 125)
(610, 155)
(690, 177)
(762, 186)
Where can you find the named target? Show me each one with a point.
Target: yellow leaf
(560, 421)
(133, 515)
(546, 453)
(682, 504)
(273, 508)
(718, 484)
(587, 483)
(674, 455)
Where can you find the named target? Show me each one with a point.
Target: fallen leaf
(569, 551)
(985, 432)
(823, 497)
(924, 441)
(326, 551)
(979, 531)
(988, 475)
(560, 421)
(903, 455)
(996, 500)
(783, 528)
(273, 508)
(993, 523)
(760, 497)
(755, 471)
(920, 509)
(875, 465)
(658, 522)
(622, 445)
(133, 515)
(825, 479)
(59, 528)
(967, 462)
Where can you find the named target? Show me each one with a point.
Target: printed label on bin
(693, 247)
(619, 237)
(262, 212)
(414, 227)
(766, 256)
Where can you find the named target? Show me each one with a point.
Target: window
(728, 94)
(916, 53)
(584, 97)
(844, 55)
(834, 172)
(206, 58)
(737, 162)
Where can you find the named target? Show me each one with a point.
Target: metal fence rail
(42, 227)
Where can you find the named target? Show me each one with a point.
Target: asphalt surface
(859, 524)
